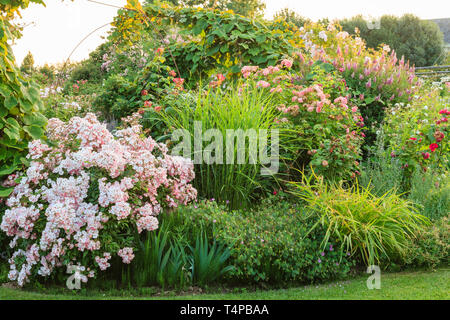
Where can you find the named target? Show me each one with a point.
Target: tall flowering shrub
(87, 195)
(376, 79)
(327, 125)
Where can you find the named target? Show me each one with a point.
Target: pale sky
(52, 32)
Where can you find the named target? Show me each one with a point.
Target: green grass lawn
(404, 285)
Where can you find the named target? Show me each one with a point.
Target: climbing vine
(207, 39)
(20, 104)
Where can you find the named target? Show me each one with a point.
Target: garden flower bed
(210, 149)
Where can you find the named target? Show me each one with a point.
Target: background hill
(444, 25)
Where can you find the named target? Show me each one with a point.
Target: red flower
(220, 77)
(147, 104)
(178, 81)
(426, 155)
(144, 92)
(412, 138)
(433, 147)
(275, 192)
(439, 136)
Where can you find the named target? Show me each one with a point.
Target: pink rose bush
(86, 195)
(327, 124)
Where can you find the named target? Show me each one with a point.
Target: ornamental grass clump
(373, 228)
(87, 195)
(241, 117)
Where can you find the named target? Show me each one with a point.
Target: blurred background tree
(290, 16)
(419, 41)
(27, 64)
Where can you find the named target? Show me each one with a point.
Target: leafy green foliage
(119, 98)
(20, 105)
(155, 262)
(210, 39)
(382, 173)
(432, 246)
(248, 8)
(165, 259)
(121, 95)
(208, 262)
(431, 193)
(270, 243)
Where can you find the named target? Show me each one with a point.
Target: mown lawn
(404, 285)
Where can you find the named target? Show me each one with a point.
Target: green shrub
(269, 244)
(119, 98)
(374, 228)
(432, 246)
(121, 95)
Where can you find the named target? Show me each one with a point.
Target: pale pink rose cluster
(317, 104)
(90, 181)
(287, 63)
(103, 262)
(262, 84)
(126, 254)
(248, 70)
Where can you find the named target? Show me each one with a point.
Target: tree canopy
(419, 41)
